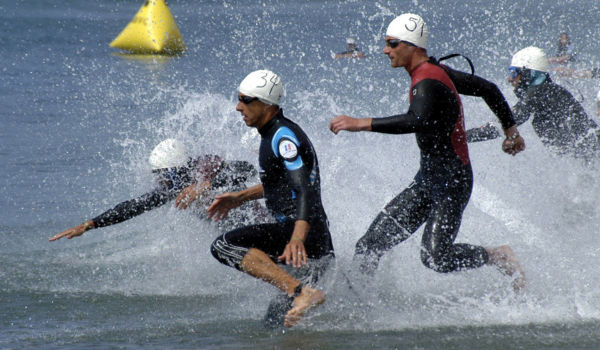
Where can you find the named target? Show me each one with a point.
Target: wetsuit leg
(231, 247)
(400, 218)
(438, 249)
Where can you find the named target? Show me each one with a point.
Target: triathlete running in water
(290, 184)
(556, 116)
(182, 178)
(442, 187)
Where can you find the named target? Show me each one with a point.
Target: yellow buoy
(152, 30)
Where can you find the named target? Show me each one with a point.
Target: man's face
(564, 40)
(253, 112)
(515, 81)
(400, 56)
(514, 76)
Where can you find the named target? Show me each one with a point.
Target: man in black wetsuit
(442, 187)
(181, 178)
(289, 173)
(558, 118)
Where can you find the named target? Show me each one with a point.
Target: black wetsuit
(558, 119)
(289, 172)
(442, 187)
(231, 176)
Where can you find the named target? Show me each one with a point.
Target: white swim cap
(598, 97)
(531, 58)
(350, 41)
(263, 84)
(409, 27)
(168, 154)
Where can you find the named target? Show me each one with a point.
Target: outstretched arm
(223, 203)
(74, 231)
(344, 122)
(121, 212)
(473, 85)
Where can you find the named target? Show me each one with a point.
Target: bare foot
(505, 260)
(308, 299)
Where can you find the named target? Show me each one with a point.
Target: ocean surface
(78, 121)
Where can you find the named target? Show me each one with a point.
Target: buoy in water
(152, 30)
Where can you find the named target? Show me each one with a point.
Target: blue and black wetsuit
(442, 187)
(289, 172)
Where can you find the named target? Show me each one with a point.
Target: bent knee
(227, 253)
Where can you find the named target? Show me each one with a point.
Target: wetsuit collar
(265, 129)
(412, 72)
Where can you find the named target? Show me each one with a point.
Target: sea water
(78, 122)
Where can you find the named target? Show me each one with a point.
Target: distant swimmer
(557, 117)
(179, 177)
(352, 52)
(442, 187)
(290, 184)
(566, 72)
(565, 52)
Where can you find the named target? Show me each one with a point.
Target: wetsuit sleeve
(473, 85)
(233, 174)
(288, 147)
(523, 110)
(483, 133)
(134, 207)
(430, 94)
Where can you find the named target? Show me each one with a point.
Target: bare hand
(222, 204)
(344, 122)
(294, 252)
(70, 233)
(190, 194)
(513, 146)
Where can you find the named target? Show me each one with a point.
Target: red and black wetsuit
(442, 187)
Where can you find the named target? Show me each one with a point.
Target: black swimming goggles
(514, 71)
(247, 99)
(395, 42)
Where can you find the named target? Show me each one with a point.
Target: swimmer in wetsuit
(442, 187)
(556, 116)
(179, 177)
(290, 184)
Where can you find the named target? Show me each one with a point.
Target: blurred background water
(78, 121)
